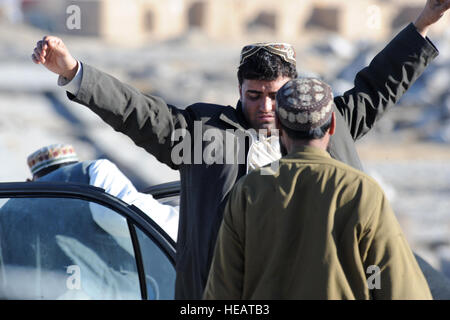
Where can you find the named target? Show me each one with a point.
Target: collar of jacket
(307, 153)
(236, 118)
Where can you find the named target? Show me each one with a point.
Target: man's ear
(332, 129)
(240, 92)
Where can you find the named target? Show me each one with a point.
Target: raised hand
(54, 55)
(433, 11)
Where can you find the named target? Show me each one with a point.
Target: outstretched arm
(147, 120)
(105, 174)
(381, 84)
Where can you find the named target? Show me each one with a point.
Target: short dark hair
(267, 66)
(317, 133)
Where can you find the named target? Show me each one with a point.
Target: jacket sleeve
(225, 280)
(147, 120)
(380, 85)
(391, 268)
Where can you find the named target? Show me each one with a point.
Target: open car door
(72, 241)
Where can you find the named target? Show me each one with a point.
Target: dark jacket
(150, 123)
(73, 173)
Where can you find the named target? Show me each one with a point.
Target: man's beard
(267, 127)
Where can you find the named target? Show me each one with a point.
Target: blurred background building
(141, 20)
(188, 50)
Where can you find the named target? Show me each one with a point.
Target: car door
(70, 241)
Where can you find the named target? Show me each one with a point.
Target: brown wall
(284, 20)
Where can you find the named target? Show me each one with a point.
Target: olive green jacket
(314, 228)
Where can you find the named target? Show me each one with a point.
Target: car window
(159, 271)
(65, 248)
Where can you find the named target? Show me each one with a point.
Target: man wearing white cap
(59, 162)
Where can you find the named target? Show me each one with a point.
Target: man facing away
(60, 163)
(315, 228)
(50, 234)
(202, 131)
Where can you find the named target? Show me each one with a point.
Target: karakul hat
(304, 104)
(51, 155)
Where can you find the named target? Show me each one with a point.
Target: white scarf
(262, 152)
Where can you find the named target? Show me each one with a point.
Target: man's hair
(50, 169)
(317, 133)
(267, 66)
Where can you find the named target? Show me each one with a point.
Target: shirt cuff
(74, 85)
(430, 48)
